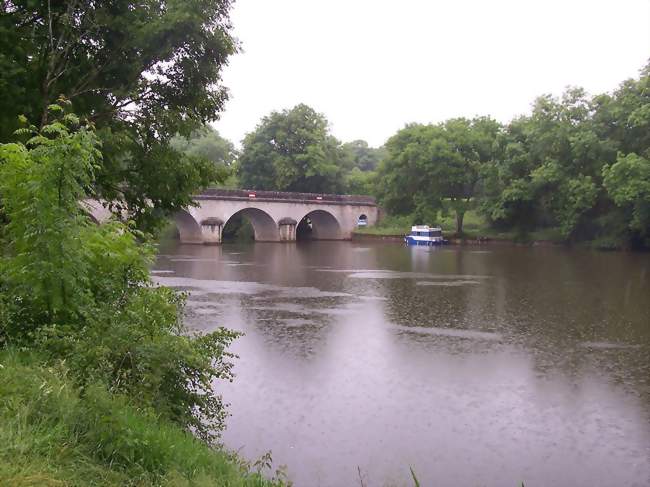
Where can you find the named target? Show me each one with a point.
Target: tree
(360, 182)
(550, 171)
(459, 166)
(437, 167)
(293, 150)
(628, 183)
(402, 186)
(206, 144)
(577, 164)
(363, 157)
(140, 71)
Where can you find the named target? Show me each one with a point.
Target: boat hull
(410, 240)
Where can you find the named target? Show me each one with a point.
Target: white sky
(372, 66)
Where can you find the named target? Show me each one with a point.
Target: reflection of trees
(547, 302)
(544, 302)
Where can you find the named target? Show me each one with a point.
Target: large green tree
(364, 157)
(550, 172)
(402, 186)
(293, 150)
(141, 72)
(207, 144)
(438, 167)
(628, 183)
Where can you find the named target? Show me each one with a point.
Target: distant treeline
(578, 164)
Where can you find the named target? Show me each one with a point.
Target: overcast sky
(372, 66)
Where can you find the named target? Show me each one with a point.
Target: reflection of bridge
(274, 215)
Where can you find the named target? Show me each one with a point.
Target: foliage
(363, 157)
(549, 169)
(208, 144)
(292, 150)
(576, 164)
(52, 433)
(628, 183)
(141, 71)
(437, 167)
(204, 144)
(474, 225)
(163, 181)
(41, 184)
(402, 186)
(360, 182)
(81, 293)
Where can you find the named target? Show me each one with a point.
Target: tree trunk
(460, 215)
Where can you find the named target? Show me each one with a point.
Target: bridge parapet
(304, 198)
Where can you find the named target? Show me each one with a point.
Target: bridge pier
(287, 229)
(212, 230)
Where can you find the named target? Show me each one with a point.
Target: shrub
(81, 293)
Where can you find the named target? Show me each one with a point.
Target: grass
(474, 227)
(401, 225)
(53, 434)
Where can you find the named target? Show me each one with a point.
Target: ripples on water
(475, 366)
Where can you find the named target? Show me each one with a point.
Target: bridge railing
(245, 194)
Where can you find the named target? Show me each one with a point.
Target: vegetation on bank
(100, 382)
(54, 432)
(475, 228)
(578, 165)
(576, 169)
(99, 379)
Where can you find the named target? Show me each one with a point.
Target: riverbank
(475, 232)
(454, 240)
(52, 433)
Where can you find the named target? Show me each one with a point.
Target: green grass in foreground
(52, 434)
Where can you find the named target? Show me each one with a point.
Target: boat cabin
(424, 235)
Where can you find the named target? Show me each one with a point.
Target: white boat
(424, 235)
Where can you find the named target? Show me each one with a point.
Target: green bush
(79, 292)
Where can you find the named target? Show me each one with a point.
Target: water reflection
(478, 366)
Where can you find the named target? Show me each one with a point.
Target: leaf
(415, 479)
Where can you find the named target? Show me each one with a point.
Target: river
(475, 366)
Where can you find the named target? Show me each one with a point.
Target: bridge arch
(321, 224)
(188, 228)
(264, 226)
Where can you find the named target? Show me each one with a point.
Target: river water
(475, 366)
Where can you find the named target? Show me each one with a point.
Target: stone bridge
(274, 215)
